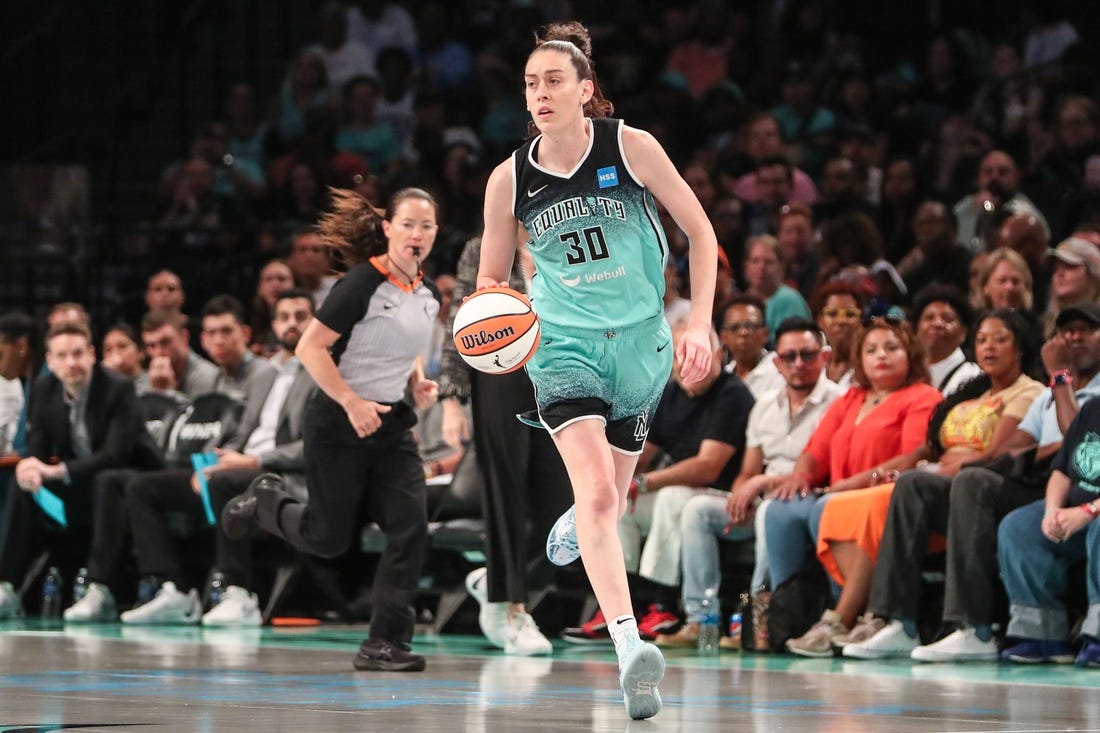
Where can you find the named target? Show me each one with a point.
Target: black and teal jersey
(598, 245)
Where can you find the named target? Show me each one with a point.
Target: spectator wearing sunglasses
(779, 425)
(942, 321)
(878, 425)
(837, 306)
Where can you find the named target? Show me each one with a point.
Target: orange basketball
(496, 331)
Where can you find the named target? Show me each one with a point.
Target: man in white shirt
(998, 190)
(942, 321)
(780, 425)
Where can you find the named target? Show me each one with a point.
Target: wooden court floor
(109, 678)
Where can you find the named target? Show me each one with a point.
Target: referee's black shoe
(239, 513)
(381, 655)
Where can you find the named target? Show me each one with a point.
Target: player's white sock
(624, 632)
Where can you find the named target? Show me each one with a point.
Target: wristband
(1062, 376)
(642, 483)
(1090, 509)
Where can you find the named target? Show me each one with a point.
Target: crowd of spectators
(939, 168)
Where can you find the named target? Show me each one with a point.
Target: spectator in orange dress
(877, 426)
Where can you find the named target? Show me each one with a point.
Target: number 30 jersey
(598, 245)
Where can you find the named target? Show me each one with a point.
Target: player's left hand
(694, 353)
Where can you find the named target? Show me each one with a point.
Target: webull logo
(472, 341)
(606, 275)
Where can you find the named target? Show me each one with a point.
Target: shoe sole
(853, 653)
(808, 653)
(644, 669)
(992, 657)
(1040, 660)
(483, 622)
(366, 664)
(556, 550)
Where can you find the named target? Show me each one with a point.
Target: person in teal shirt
(764, 274)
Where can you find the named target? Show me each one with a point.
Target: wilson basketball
(496, 331)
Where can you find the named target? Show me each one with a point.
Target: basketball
(496, 331)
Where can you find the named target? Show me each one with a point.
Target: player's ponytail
(573, 40)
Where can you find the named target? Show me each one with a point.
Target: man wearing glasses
(780, 424)
(744, 336)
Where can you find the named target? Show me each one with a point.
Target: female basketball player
(360, 455)
(582, 192)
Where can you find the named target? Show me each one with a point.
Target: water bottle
(708, 624)
(51, 594)
(215, 590)
(80, 584)
(736, 620)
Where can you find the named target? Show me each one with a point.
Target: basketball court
(114, 678)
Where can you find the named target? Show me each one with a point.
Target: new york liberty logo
(641, 427)
(1086, 462)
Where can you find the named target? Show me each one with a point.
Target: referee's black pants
(350, 479)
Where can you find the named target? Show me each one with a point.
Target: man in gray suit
(268, 438)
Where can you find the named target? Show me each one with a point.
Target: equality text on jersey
(574, 208)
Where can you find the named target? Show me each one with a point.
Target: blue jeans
(702, 524)
(791, 534)
(1034, 572)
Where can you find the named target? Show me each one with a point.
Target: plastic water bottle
(80, 584)
(736, 626)
(708, 624)
(51, 594)
(215, 590)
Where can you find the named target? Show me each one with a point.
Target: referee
(361, 457)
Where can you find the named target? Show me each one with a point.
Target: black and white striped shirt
(383, 325)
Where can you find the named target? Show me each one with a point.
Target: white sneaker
(10, 605)
(960, 646)
(237, 607)
(493, 617)
(561, 544)
(97, 605)
(641, 671)
(169, 606)
(523, 638)
(889, 641)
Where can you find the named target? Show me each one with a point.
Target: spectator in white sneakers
(268, 439)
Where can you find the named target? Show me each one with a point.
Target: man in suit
(88, 418)
(269, 438)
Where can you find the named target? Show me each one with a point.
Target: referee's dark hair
(353, 228)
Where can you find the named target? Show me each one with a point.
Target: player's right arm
(498, 242)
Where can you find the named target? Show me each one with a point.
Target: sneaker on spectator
(237, 607)
(866, 626)
(1089, 656)
(523, 638)
(643, 667)
(561, 544)
(10, 605)
(889, 641)
(593, 632)
(688, 635)
(1037, 651)
(169, 606)
(959, 646)
(657, 621)
(493, 617)
(382, 655)
(97, 605)
(818, 641)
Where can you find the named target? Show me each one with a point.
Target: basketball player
(360, 453)
(582, 192)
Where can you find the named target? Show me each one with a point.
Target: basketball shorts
(615, 375)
